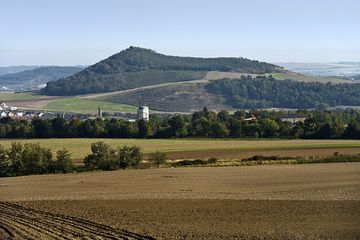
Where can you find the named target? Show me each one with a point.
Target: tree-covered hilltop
(265, 92)
(137, 67)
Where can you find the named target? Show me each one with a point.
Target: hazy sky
(80, 32)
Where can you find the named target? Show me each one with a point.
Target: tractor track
(19, 222)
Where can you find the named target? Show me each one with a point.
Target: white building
(293, 120)
(143, 113)
(3, 105)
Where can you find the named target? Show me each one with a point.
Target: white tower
(143, 113)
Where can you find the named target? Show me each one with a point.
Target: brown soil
(218, 219)
(314, 201)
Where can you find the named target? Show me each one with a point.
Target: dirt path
(19, 222)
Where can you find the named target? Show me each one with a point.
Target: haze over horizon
(84, 32)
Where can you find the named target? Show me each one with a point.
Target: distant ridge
(31, 79)
(138, 67)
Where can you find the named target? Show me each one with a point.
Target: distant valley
(340, 69)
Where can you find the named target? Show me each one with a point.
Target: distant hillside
(32, 79)
(15, 69)
(137, 67)
(267, 92)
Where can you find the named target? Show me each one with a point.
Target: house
(19, 114)
(250, 118)
(3, 114)
(3, 105)
(293, 119)
(10, 114)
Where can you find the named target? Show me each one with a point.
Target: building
(143, 113)
(100, 113)
(293, 119)
(3, 105)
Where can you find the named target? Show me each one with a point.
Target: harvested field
(317, 201)
(18, 222)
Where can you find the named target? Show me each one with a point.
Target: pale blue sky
(71, 32)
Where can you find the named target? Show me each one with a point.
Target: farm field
(12, 96)
(308, 78)
(87, 106)
(204, 148)
(316, 201)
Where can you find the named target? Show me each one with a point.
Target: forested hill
(137, 67)
(266, 92)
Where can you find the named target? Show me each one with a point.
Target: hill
(137, 67)
(34, 78)
(267, 92)
(15, 69)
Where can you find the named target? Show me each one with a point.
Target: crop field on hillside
(316, 201)
(87, 106)
(204, 148)
(308, 78)
(12, 96)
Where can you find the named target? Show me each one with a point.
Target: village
(16, 113)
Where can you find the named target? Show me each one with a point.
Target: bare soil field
(315, 201)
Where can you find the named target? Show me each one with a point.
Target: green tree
(129, 156)
(269, 127)
(63, 161)
(5, 163)
(144, 129)
(15, 154)
(102, 157)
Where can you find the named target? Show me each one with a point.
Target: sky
(83, 32)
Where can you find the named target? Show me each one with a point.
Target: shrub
(102, 157)
(158, 157)
(15, 154)
(194, 162)
(267, 158)
(32, 159)
(5, 162)
(63, 161)
(212, 160)
(129, 156)
(36, 159)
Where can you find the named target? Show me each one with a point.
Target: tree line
(25, 159)
(266, 92)
(319, 124)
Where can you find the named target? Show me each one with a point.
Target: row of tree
(25, 159)
(266, 92)
(31, 158)
(205, 123)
